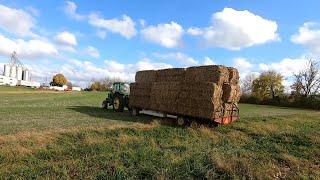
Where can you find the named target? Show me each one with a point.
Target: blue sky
(87, 40)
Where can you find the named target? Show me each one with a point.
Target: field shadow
(110, 114)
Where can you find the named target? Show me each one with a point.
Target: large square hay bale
(231, 93)
(164, 96)
(171, 75)
(148, 76)
(212, 73)
(200, 99)
(140, 95)
(233, 76)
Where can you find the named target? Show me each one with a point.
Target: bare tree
(246, 83)
(308, 79)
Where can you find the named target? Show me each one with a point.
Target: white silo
(19, 72)
(13, 71)
(26, 75)
(7, 70)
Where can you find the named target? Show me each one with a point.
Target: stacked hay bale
(231, 91)
(165, 91)
(140, 92)
(200, 99)
(171, 75)
(207, 92)
(203, 85)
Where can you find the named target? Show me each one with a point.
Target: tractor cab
(118, 97)
(120, 87)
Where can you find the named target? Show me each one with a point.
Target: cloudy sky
(86, 40)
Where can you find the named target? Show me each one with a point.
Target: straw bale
(205, 92)
(212, 73)
(148, 76)
(233, 76)
(171, 75)
(200, 99)
(231, 93)
(164, 96)
(140, 95)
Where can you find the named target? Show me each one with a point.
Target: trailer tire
(135, 111)
(181, 121)
(194, 124)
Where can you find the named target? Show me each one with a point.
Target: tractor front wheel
(118, 104)
(104, 105)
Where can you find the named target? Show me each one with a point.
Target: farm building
(15, 74)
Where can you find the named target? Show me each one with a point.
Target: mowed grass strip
(67, 135)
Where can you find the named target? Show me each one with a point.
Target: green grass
(67, 135)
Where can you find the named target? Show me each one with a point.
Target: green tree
(268, 85)
(59, 80)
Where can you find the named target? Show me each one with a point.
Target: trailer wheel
(181, 121)
(118, 104)
(194, 124)
(135, 111)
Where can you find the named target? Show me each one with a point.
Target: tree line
(102, 84)
(268, 88)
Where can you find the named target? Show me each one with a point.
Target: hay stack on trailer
(206, 92)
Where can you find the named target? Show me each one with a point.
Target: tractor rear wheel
(118, 104)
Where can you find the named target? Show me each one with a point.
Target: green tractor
(118, 98)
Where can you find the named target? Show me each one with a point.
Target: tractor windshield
(126, 88)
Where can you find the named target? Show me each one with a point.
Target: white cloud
(66, 38)
(232, 29)
(180, 57)
(70, 9)
(309, 36)
(195, 31)
(31, 49)
(92, 51)
(242, 64)
(124, 26)
(147, 64)
(16, 21)
(244, 67)
(167, 35)
(287, 67)
(208, 61)
(84, 71)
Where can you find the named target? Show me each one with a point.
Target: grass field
(67, 135)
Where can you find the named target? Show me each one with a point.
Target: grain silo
(13, 72)
(6, 70)
(19, 72)
(26, 75)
